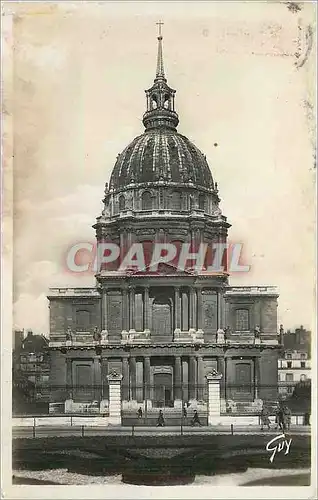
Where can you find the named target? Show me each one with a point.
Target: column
(214, 406)
(177, 382)
(260, 315)
(219, 314)
(122, 242)
(192, 378)
(132, 369)
(114, 381)
(227, 389)
(146, 308)
(132, 309)
(125, 309)
(200, 378)
(104, 373)
(200, 310)
(97, 380)
(177, 310)
(185, 311)
(125, 383)
(69, 386)
(222, 304)
(104, 316)
(147, 381)
(256, 377)
(192, 308)
(221, 370)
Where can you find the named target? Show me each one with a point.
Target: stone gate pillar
(214, 400)
(114, 382)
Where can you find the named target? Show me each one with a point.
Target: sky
(79, 75)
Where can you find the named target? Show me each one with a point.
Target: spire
(160, 73)
(160, 97)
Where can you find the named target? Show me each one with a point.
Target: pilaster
(114, 381)
(214, 403)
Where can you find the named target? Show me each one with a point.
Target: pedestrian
(139, 412)
(287, 417)
(195, 419)
(280, 418)
(161, 420)
(265, 418)
(185, 412)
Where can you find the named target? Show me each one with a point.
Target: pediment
(163, 269)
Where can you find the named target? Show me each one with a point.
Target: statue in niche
(69, 335)
(104, 335)
(257, 332)
(97, 336)
(220, 336)
(281, 334)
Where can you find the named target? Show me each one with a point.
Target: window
(288, 356)
(176, 201)
(303, 364)
(202, 201)
(82, 321)
(303, 355)
(303, 377)
(146, 201)
(289, 364)
(122, 203)
(242, 320)
(289, 377)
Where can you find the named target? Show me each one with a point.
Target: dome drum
(161, 199)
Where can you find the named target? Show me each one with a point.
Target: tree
(300, 400)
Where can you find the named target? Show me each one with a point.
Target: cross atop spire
(160, 70)
(159, 24)
(160, 97)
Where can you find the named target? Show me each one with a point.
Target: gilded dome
(161, 154)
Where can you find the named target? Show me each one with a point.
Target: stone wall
(262, 312)
(65, 313)
(269, 375)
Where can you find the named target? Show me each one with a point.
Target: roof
(161, 154)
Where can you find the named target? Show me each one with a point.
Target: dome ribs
(189, 160)
(165, 156)
(146, 165)
(161, 154)
(143, 149)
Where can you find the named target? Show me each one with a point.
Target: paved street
(50, 431)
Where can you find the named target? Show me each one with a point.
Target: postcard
(158, 287)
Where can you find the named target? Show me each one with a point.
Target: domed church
(162, 332)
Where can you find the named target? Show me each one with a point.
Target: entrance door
(162, 390)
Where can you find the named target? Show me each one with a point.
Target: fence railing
(76, 425)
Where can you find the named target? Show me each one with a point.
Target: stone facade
(162, 330)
